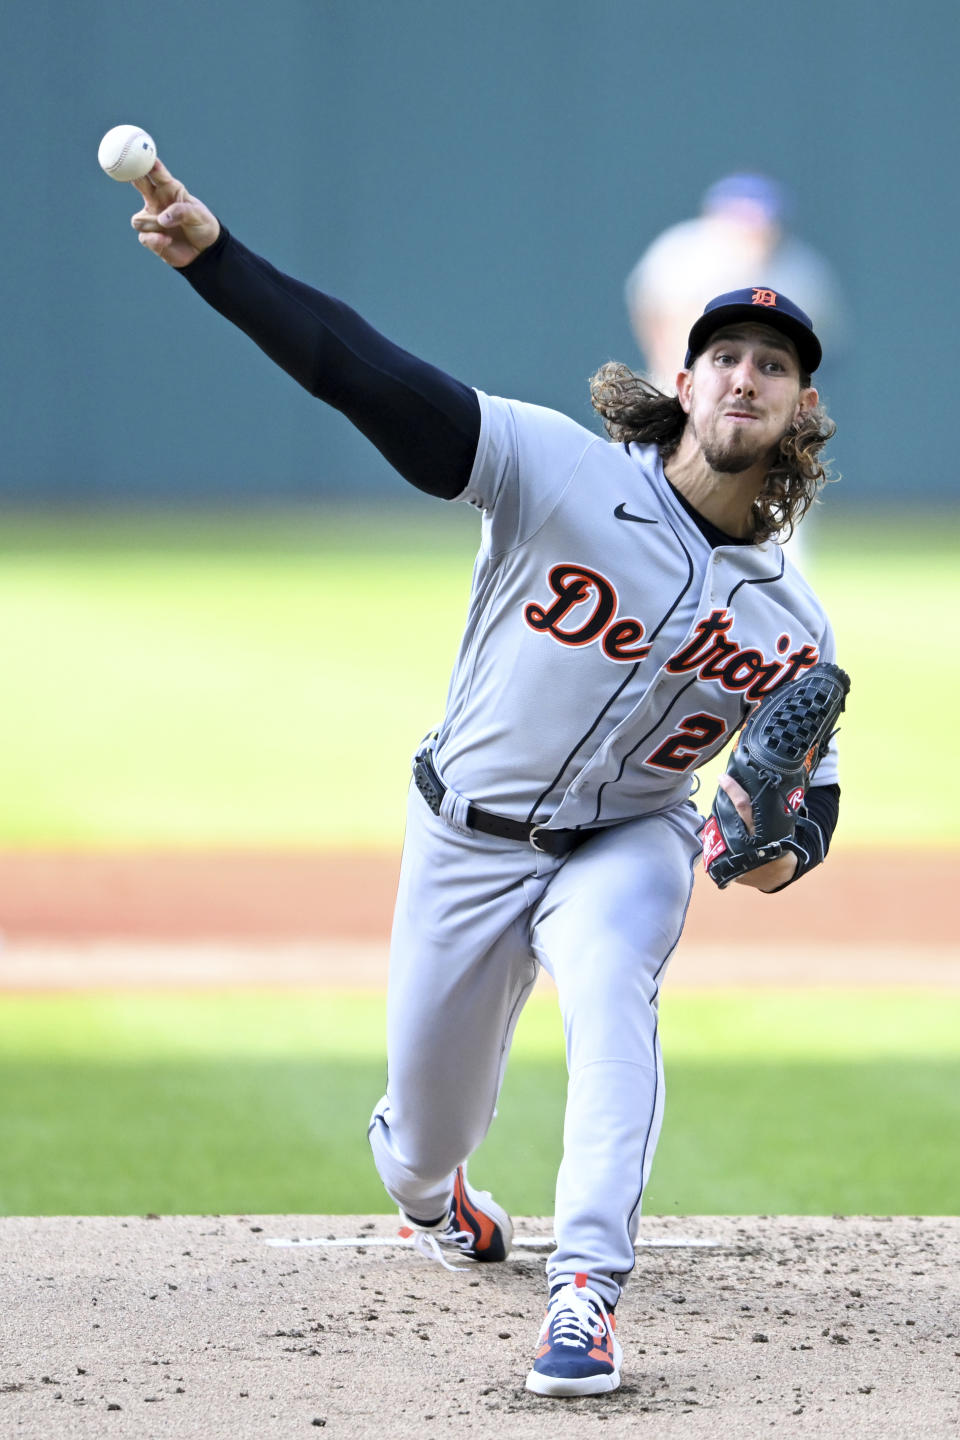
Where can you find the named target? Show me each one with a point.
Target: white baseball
(126, 152)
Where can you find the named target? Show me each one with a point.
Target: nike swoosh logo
(621, 513)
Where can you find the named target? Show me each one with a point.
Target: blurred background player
(740, 238)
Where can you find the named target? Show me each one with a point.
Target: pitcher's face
(742, 395)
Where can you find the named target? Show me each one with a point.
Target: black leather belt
(551, 842)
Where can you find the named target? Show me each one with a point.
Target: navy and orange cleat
(474, 1228)
(578, 1352)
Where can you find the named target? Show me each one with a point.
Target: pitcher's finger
(146, 186)
(739, 799)
(156, 242)
(157, 185)
(181, 212)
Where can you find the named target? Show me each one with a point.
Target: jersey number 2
(694, 734)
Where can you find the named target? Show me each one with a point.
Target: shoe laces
(430, 1243)
(576, 1317)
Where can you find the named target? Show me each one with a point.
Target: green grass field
(251, 681)
(778, 1102)
(248, 681)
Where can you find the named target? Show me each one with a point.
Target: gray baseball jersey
(609, 650)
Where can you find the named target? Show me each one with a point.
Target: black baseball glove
(779, 748)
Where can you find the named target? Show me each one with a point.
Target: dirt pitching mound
(198, 1327)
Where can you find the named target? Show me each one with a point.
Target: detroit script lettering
(584, 609)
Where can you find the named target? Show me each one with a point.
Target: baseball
(126, 152)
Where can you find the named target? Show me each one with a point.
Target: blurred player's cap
(757, 306)
(747, 192)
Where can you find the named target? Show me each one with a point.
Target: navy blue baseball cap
(757, 306)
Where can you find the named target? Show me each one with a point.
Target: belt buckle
(427, 781)
(532, 837)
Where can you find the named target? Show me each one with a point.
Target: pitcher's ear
(809, 400)
(685, 388)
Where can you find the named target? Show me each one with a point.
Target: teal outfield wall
(477, 180)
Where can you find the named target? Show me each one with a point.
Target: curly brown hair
(633, 409)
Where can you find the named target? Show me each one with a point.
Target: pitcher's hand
(172, 223)
(776, 872)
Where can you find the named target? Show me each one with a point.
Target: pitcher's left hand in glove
(779, 748)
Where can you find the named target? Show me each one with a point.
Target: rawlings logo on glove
(779, 748)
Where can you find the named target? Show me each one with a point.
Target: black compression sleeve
(424, 422)
(816, 823)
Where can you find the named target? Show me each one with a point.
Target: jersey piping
(541, 799)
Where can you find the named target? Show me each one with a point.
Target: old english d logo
(764, 297)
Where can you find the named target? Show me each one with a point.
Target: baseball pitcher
(631, 611)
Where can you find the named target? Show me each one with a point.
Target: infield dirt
(88, 919)
(859, 897)
(197, 1327)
